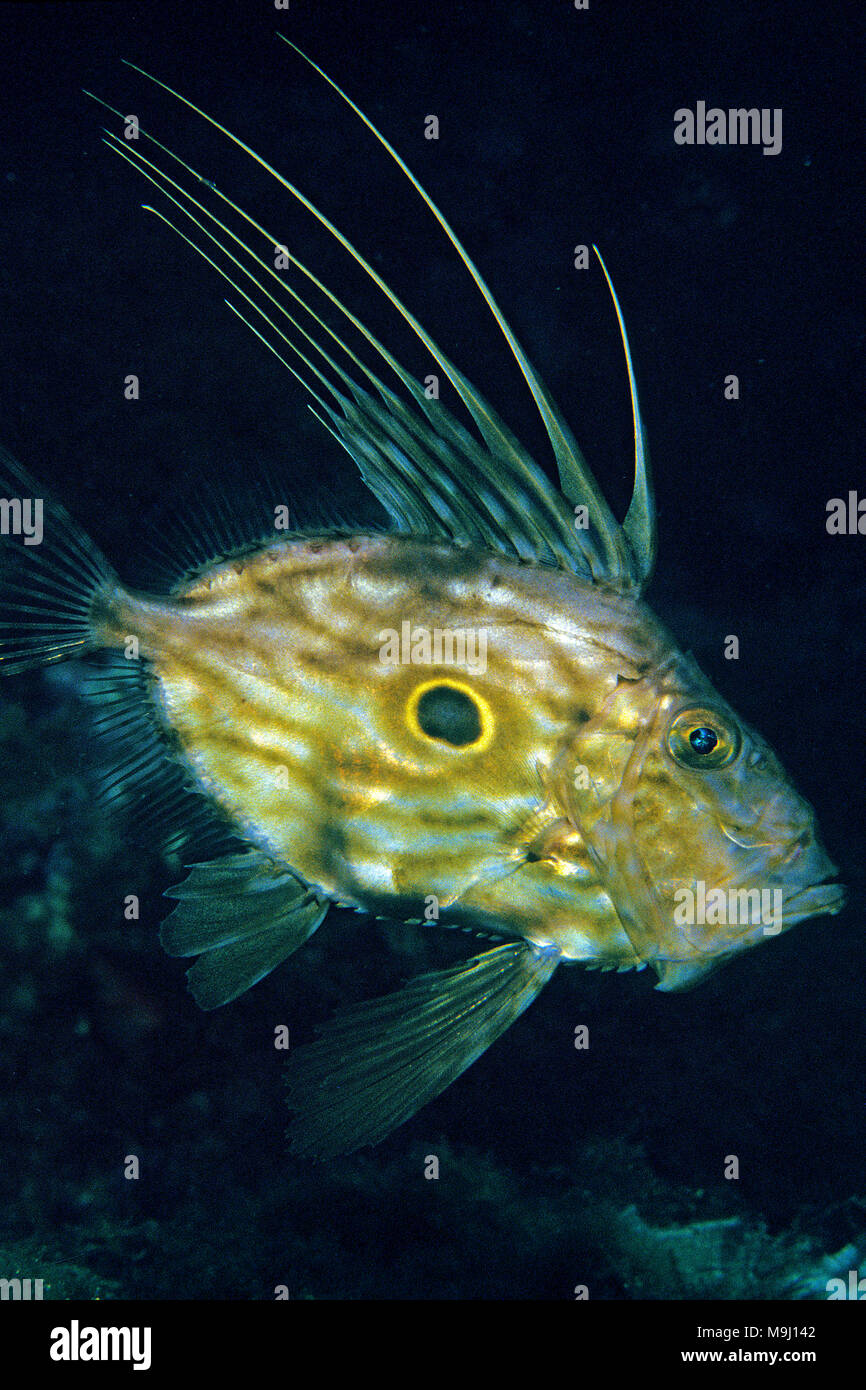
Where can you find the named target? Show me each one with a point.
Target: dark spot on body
(450, 715)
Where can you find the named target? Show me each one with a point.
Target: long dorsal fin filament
(495, 494)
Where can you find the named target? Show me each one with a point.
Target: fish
(467, 715)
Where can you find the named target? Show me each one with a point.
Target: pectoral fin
(378, 1062)
(245, 915)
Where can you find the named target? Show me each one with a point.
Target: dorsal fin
(491, 492)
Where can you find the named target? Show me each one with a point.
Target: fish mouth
(805, 875)
(813, 900)
(801, 869)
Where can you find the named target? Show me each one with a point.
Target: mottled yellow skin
(568, 823)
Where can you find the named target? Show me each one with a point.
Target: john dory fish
(570, 794)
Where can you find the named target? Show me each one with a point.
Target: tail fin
(51, 576)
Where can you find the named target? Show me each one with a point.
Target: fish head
(692, 824)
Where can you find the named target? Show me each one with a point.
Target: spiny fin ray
(639, 526)
(539, 523)
(619, 557)
(582, 487)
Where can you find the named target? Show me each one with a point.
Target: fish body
(471, 717)
(274, 674)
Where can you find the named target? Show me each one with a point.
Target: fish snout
(805, 873)
(802, 855)
(796, 849)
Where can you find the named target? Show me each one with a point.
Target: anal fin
(379, 1062)
(245, 915)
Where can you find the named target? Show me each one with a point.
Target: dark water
(555, 129)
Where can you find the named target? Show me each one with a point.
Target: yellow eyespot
(447, 711)
(701, 739)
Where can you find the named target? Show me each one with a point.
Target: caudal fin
(52, 576)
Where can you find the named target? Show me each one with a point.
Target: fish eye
(701, 739)
(448, 711)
